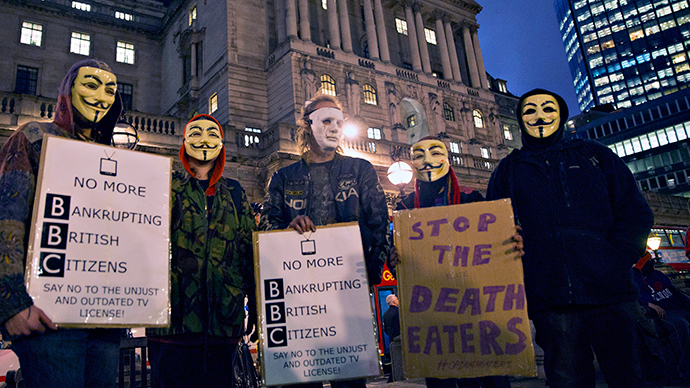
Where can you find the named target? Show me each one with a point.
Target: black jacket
(358, 197)
(584, 221)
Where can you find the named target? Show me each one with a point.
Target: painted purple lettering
(492, 291)
(519, 346)
(518, 297)
(461, 224)
(444, 296)
(442, 251)
(413, 339)
(461, 253)
(481, 250)
(436, 229)
(484, 221)
(421, 299)
(433, 338)
(488, 332)
(415, 228)
(450, 330)
(466, 337)
(470, 299)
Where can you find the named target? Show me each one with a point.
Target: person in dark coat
(585, 223)
(391, 318)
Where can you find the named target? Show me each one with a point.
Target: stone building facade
(402, 69)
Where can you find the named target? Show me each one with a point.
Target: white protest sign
(316, 321)
(99, 247)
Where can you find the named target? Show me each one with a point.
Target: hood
(533, 143)
(102, 132)
(219, 162)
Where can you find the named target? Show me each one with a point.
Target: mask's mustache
(541, 122)
(98, 105)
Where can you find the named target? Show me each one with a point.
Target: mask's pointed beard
(428, 174)
(95, 117)
(541, 132)
(205, 155)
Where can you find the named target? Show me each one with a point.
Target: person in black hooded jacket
(584, 224)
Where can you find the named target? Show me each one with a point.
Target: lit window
(448, 112)
(430, 36)
(401, 26)
(324, 4)
(31, 33)
(485, 153)
(506, 133)
(251, 139)
(411, 121)
(478, 118)
(81, 43)
(124, 16)
(213, 103)
(327, 85)
(454, 147)
(125, 53)
(27, 78)
(370, 95)
(192, 14)
(374, 133)
(81, 6)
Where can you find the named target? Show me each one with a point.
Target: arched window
(370, 95)
(478, 118)
(448, 112)
(327, 85)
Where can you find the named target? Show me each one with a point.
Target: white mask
(327, 127)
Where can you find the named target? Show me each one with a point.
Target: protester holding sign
(212, 267)
(88, 108)
(585, 223)
(437, 185)
(325, 187)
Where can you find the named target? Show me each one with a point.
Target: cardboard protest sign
(98, 251)
(462, 296)
(316, 317)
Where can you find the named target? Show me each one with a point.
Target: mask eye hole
(326, 122)
(529, 111)
(549, 109)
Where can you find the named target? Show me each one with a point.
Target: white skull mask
(327, 127)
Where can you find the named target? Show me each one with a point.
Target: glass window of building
(374, 133)
(430, 36)
(32, 33)
(454, 147)
(81, 6)
(448, 112)
(80, 43)
(125, 53)
(127, 95)
(370, 95)
(328, 85)
(324, 4)
(506, 132)
(213, 103)
(192, 14)
(486, 153)
(27, 79)
(124, 16)
(411, 120)
(401, 26)
(478, 118)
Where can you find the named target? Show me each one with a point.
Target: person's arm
(245, 248)
(273, 216)
(375, 218)
(645, 292)
(17, 189)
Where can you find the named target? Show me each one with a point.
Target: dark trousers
(571, 335)
(203, 365)
(479, 382)
(677, 321)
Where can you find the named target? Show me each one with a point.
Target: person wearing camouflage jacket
(212, 267)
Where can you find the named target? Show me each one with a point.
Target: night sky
(521, 44)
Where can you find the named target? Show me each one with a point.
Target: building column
(371, 31)
(471, 59)
(384, 53)
(480, 60)
(421, 39)
(193, 60)
(279, 7)
(443, 46)
(345, 34)
(452, 52)
(412, 36)
(291, 19)
(304, 27)
(333, 27)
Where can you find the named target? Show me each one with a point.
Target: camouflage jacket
(212, 262)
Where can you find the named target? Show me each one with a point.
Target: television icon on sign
(308, 247)
(108, 167)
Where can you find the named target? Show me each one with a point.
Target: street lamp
(653, 243)
(400, 174)
(125, 136)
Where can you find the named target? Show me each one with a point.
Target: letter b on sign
(57, 206)
(54, 235)
(275, 313)
(273, 289)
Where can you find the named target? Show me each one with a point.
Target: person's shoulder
(34, 131)
(296, 166)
